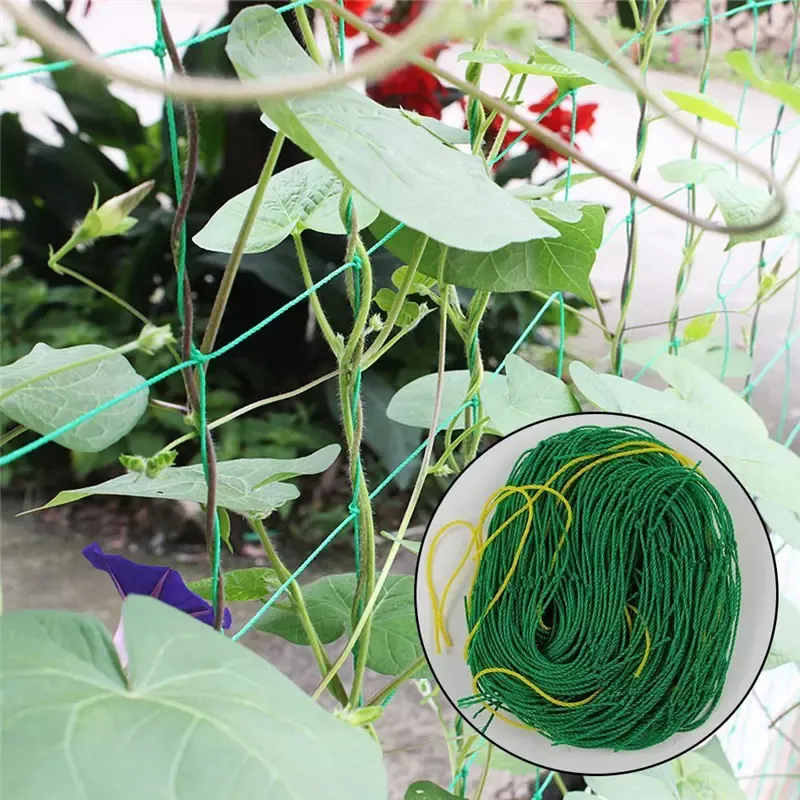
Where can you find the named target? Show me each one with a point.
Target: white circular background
(466, 498)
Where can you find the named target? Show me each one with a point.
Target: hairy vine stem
(300, 608)
(422, 475)
(629, 276)
(178, 244)
(396, 51)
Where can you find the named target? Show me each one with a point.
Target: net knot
(159, 49)
(353, 509)
(198, 357)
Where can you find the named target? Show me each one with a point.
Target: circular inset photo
(596, 594)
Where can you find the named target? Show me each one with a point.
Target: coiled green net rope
(605, 604)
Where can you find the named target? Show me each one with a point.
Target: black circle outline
(741, 486)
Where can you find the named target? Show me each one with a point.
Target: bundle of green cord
(605, 604)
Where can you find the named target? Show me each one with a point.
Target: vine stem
(397, 51)
(395, 684)
(300, 608)
(559, 781)
(407, 515)
(313, 298)
(232, 267)
(484, 773)
(17, 430)
(629, 276)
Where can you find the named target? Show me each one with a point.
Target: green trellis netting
(751, 717)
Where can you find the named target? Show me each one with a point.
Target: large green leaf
(47, 404)
(629, 787)
(699, 778)
(781, 521)
(785, 646)
(701, 105)
(425, 790)
(528, 395)
(765, 467)
(413, 404)
(307, 195)
(241, 585)
(394, 644)
(253, 487)
(694, 385)
(709, 353)
(543, 264)
(196, 716)
(394, 163)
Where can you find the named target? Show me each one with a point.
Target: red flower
(411, 88)
(358, 7)
(559, 121)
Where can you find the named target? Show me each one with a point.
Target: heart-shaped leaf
(395, 164)
(413, 404)
(528, 395)
(196, 715)
(583, 69)
(253, 487)
(394, 644)
(47, 404)
(765, 467)
(306, 195)
(543, 264)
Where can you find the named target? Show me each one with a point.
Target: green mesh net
(773, 762)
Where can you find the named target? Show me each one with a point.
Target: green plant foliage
(701, 105)
(445, 133)
(503, 762)
(189, 699)
(765, 467)
(413, 404)
(411, 546)
(550, 188)
(409, 312)
(708, 353)
(425, 790)
(583, 69)
(785, 647)
(489, 56)
(699, 778)
(241, 585)
(392, 162)
(740, 203)
(629, 787)
(390, 443)
(306, 196)
(699, 328)
(253, 487)
(788, 93)
(543, 264)
(394, 644)
(781, 522)
(527, 395)
(47, 404)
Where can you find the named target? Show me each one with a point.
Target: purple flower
(163, 583)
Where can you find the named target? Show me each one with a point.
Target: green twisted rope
(625, 618)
